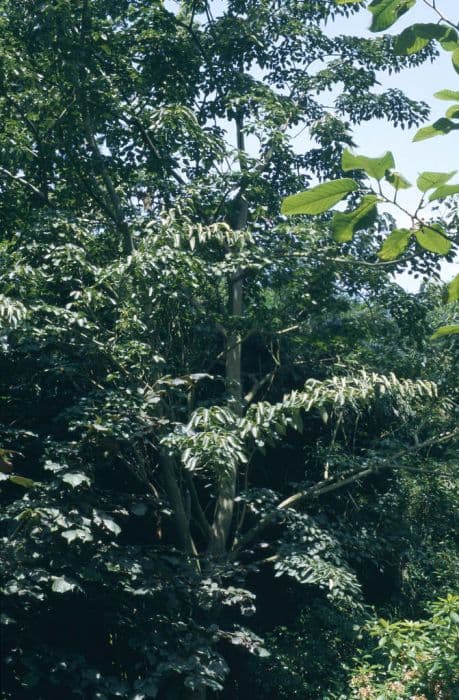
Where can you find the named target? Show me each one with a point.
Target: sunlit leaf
(432, 238)
(345, 224)
(453, 289)
(386, 12)
(374, 167)
(449, 95)
(438, 128)
(428, 180)
(105, 521)
(395, 244)
(445, 331)
(77, 534)
(455, 60)
(417, 36)
(444, 191)
(62, 584)
(320, 198)
(75, 479)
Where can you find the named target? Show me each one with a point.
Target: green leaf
(428, 180)
(453, 289)
(386, 12)
(453, 112)
(395, 244)
(374, 167)
(455, 60)
(444, 331)
(318, 199)
(450, 40)
(22, 481)
(449, 95)
(441, 126)
(417, 36)
(345, 224)
(347, 2)
(444, 191)
(397, 180)
(432, 238)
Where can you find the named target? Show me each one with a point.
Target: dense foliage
(227, 443)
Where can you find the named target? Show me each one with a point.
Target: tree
(434, 236)
(162, 331)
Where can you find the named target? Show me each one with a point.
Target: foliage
(413, 659)
(192, 401)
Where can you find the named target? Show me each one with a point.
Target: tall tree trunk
(224, 508)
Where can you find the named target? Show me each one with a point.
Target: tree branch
(329, 485)
(27, 184)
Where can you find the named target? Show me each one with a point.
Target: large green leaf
(417, 36)
(318, 199)
(374, 167)
(432, 238)
(444, 331)
(453, 289)
(395, 244)
(438, 128)
(428, 180)
(450, 95)
(345, 224)
(386, 12)
(444, 191)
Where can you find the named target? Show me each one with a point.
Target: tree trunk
(223, 516)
